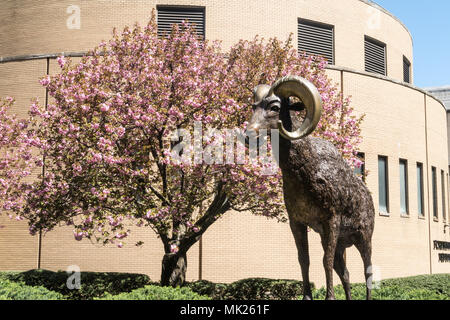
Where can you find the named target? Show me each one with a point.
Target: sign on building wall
(442, 245)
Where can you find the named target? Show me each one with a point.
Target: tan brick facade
(32, 27)
(402, 122)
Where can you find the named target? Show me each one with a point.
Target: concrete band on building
(405, 127)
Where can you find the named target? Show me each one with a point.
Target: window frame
(443, 197)
(182, 8)
(380, 44)
(447, 217)
(406, 62)
(405, 163)
(434, 193)
(421, 210)
(362, 157)
(322, 25)
(386, 178)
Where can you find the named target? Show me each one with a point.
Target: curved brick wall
(32, 27)
(402, 122)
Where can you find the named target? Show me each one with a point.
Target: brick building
(371, 58)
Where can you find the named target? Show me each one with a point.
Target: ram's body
(319, 185)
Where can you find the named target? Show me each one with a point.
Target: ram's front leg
(300, 232)
(329, 241)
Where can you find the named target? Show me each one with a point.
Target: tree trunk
(174, 269)
(174, 264)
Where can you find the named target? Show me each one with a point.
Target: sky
(429, 24)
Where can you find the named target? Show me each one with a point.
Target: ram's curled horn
(304, 90)
(260, 92)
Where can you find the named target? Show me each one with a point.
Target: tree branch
(160, 196)
(218, 206)
(244, 209)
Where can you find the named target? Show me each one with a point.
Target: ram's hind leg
(364, 247)
(329, 242)
(341, 270)
(300, 232)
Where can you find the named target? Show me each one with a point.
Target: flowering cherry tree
(108, 133)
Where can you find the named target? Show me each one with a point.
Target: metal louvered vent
(406, 70)
(167, 16)
(316, 39)
(375, 56)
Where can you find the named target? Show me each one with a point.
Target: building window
(406, 70)
(383, 185)
(420, 205)
(375, 56)
(316, 38)
(169, 15)
(443, 193)
(404, 206)
(435, 196)
(448, 211)
(361, 171)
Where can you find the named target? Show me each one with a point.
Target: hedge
(250, 289)
(204, 287)
(437, 283)
(93, 284)
(10, 290)
(44, 284)
(383, 293)
(425, 287)
(153, 292)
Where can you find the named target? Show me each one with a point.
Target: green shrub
(426, 287)
(152, 292)
(250, 289)
(93, 284)
(44, 284)
(422, 294)
(213, 290)
(10, 290)
(438, 283)
(264, 289)
(383, 293)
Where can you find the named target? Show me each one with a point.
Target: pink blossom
(174, 248)
(45, 81)
(78, 235)
(120, 131)
(61, 61)
(96, 157)
(77, 168)
(120, 235)
(104, 107)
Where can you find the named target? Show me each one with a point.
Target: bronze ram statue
(320, 189)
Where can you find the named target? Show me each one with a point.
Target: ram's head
(273, 107)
